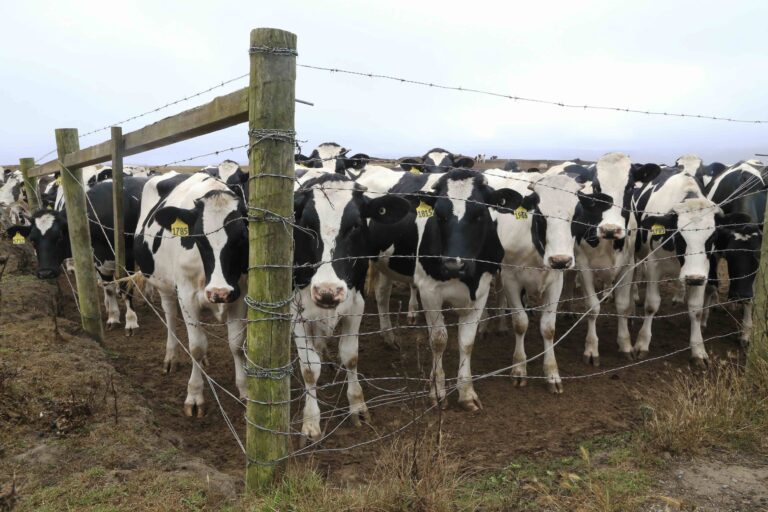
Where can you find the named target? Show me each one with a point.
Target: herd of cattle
(446, 230)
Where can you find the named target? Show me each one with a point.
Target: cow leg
(131, 319)
(171, 361)
(194, 404)
(547, 327)
(348, 343)
(438, 340)
(503, 325)
(310, 363)
(110, 304)
(413, 305)
(746, 324)
(624, 307)
(236, 326)
(512, 291)
(699, 356)
(468, 323)
(591, 353)
(679, 296)
(383, 291)
(710, 298)
(652, 301)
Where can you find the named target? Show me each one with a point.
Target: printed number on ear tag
(521, 213)
(179, 228)
(424, 210)
(18, 239)
(658, 229)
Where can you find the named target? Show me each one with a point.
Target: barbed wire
(526, 99)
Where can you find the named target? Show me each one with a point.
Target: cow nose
(695, 280)
(219, 295)
(46, 273)
(611, 232)
(560, 262)
(328, 295)
(453, 264)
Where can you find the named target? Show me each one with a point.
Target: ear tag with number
(658, 229)
(521, 213)
(18, 239)
(179, 228)
(424, 210)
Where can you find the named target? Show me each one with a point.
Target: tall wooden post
(117, 201)
(271, 96)
(80, 236)
(758, 346)
(30, 184)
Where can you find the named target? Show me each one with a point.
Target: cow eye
(382, 211)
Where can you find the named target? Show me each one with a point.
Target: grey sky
(86, 64)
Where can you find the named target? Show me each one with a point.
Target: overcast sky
(82, 64)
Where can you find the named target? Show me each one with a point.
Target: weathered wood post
(80, 235)
(117, 201)
(758, 346)
(30, 184)
(271, 96)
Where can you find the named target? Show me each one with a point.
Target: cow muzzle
(695, 280)
(560, 262)
(611, 232)
(454, 266)
(328, 295)
(220, 295)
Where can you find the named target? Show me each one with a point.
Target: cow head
(460, 237)
(437, 160)
(615, 178)
(689, 164)
(235, 178)
(553, 205)
(332, 242)
(738, 240)
(13, 189)
(217, 226)
(105, 173)
(48, 232)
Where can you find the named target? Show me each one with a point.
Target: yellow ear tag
(521, 213)
(58, 180)
(424, 210)
(18, 239)
(658, 229)
(414, 170)
(179, 228)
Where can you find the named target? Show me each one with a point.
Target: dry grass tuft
(725, 407)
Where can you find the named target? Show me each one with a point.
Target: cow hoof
(641, 354)
(699, 363)
(629, 356)
(556, 388)
(744, 344)
(443, 404)
(128, 333)
(194, 410)
(412, 319)
(170, 366)
(111, 325)
(204, 362)
(471, 404)
(359, 417)
(590, 359)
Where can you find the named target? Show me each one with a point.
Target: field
(85, 427)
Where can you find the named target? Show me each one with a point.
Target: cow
(740, 192)
(538, 246)
(436, 160)
(333, 243)
(331, 157)
(13, 206)
(676, 236)
(192, 244)
(458, 252)
(52, 195)
(605, 241)
(49, 235)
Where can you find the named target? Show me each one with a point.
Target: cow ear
(505, 199)
(299, 202)
(645, 173)
(300, 159)
(19, 229)
(595, 201)
(412, 164)
(168, 215)
(464, 162)
(530, 202)
(357, 162)
(386, 209)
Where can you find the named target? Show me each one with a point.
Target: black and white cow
(740, 192)
(333, 158)
(676, 236)
(458, 252)
(192, 243)
(605, 240)
(52, 195)
(12, 198)
(538, 245)
(436, 160)
(49, 235)
(333, 244)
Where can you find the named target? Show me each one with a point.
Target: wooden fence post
(270, 107)
(117, 202)
(758, 346)
(30, 184)
(80, 236)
